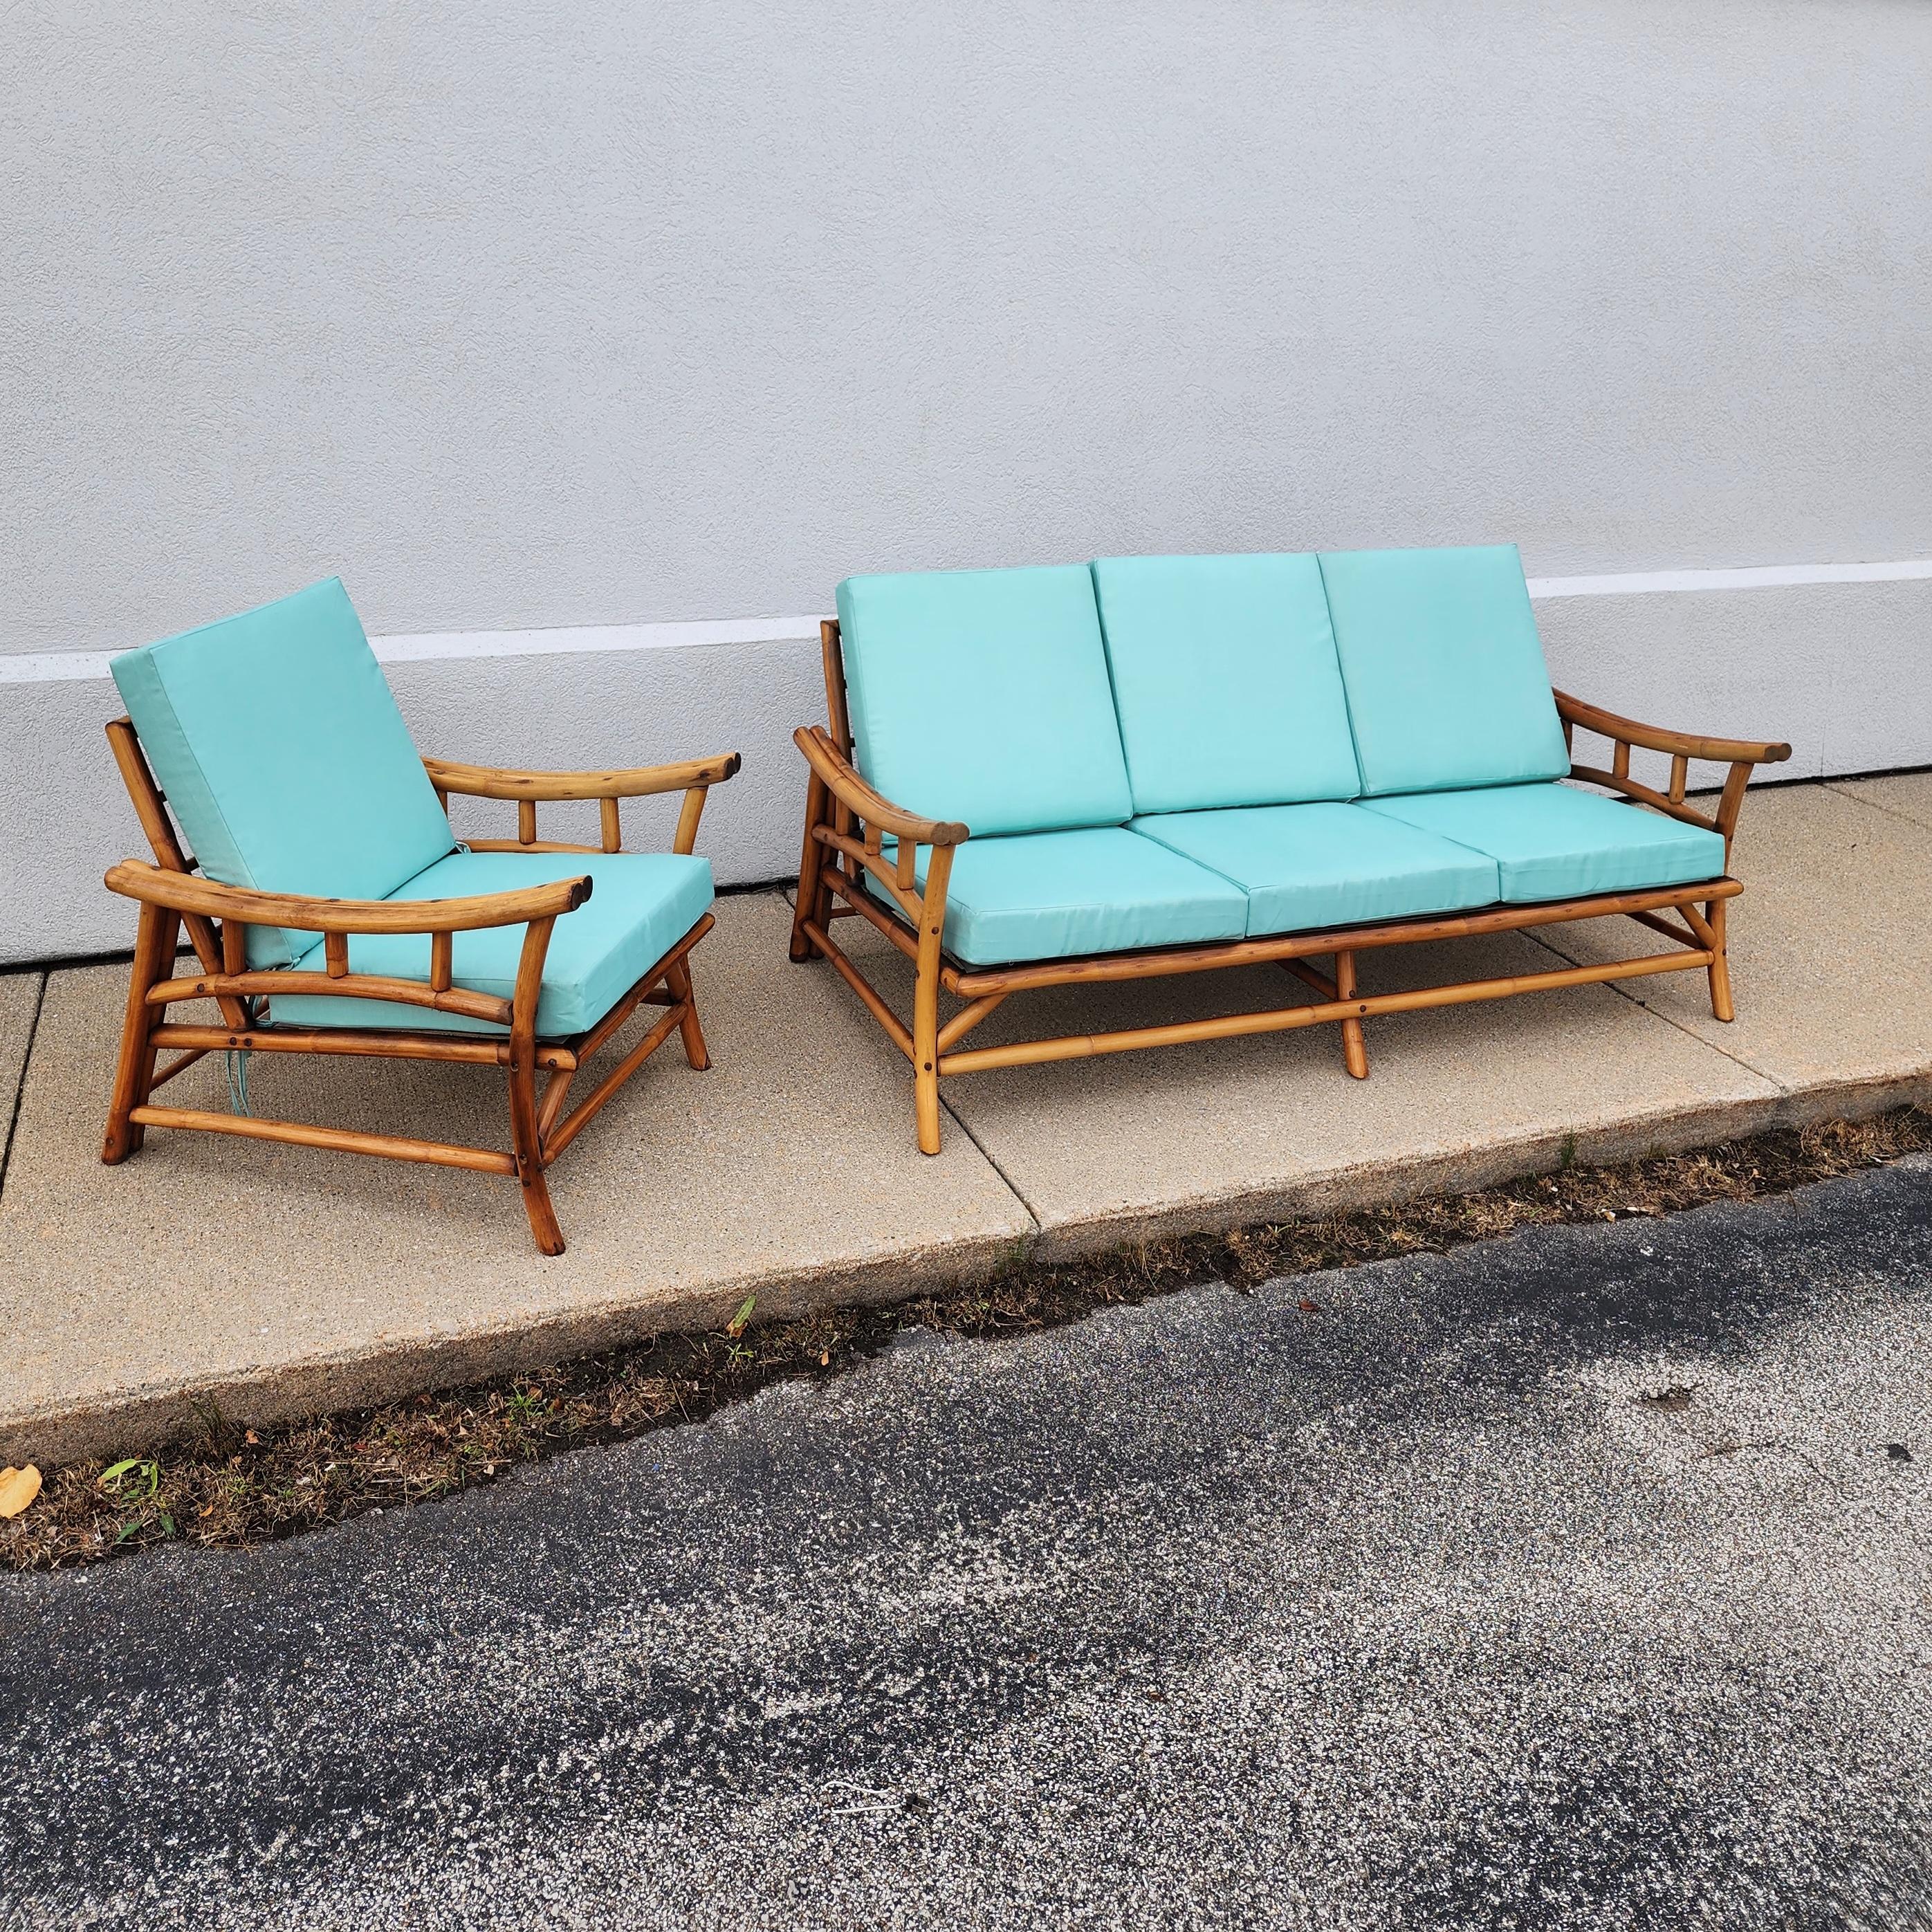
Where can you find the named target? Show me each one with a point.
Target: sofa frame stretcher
(173, 898)
(847, 823)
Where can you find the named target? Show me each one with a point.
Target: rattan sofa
(1151, 765)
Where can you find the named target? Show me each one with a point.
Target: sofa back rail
(971, 983)
(1233, 1026)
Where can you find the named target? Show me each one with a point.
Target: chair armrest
(643, 781)
(1658, 738)
(535, 907)
(186, 892)
(851, 791)
(694, 777)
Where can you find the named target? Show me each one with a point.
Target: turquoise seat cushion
(1058, 894)
(982, 696)
(1443, 669)
(1226, 681)
(1552, 841)
(641, 903)
(280, 750)
(1306, 867)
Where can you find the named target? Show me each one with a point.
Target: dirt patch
(228, 1486)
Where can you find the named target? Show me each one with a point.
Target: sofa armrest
(1659, 738)
(693, 777)
(1742, 755)
(837, 775)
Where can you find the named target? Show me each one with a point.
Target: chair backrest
(1226, 681)
(279, 746)
(1443, 669)
(983, 696)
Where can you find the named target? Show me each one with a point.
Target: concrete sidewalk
(276, 1280)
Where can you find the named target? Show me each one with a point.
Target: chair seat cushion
(1057, 894)
(1306, 867)
(1552, 841)
(640, 905)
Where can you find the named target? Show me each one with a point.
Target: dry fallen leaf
(18, 1488)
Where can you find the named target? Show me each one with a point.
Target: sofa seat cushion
(1443, 669)
(284, 758)
(1226, 681)
(1306, 867)
(641, 903)
(1552, 841)
(982, 696)
(1058, 894)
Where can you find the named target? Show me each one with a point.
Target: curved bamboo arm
(850, 790)
(694, 777)
(186, 892)
(1658, 738)
(1741, 754)
(643, 781)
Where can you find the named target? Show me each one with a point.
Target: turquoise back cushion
(982, 695)
(1225, 680)
(1443, 669)
(284, 758)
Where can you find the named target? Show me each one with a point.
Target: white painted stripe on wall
(595, 638)
(1762, 577)
(44, 667)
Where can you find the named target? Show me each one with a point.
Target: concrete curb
(146, 1417)
(1370, 1184)
(150, 1416)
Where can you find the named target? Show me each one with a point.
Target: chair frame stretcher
(845, 872)
(174, 898)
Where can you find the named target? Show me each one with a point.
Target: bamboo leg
(525, 1140)
(1354, 1047)
(925, 1000)
(154, 941)
(1720, 964)
(811, 861)
(678, 981)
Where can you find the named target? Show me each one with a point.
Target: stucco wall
(524, 316)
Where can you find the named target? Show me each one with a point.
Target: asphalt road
(1414, 1609)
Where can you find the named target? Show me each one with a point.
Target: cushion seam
(1448, 838)
(1214, 871)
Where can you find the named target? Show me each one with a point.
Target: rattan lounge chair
(332, 909)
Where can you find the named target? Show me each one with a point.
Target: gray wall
(520, 316)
